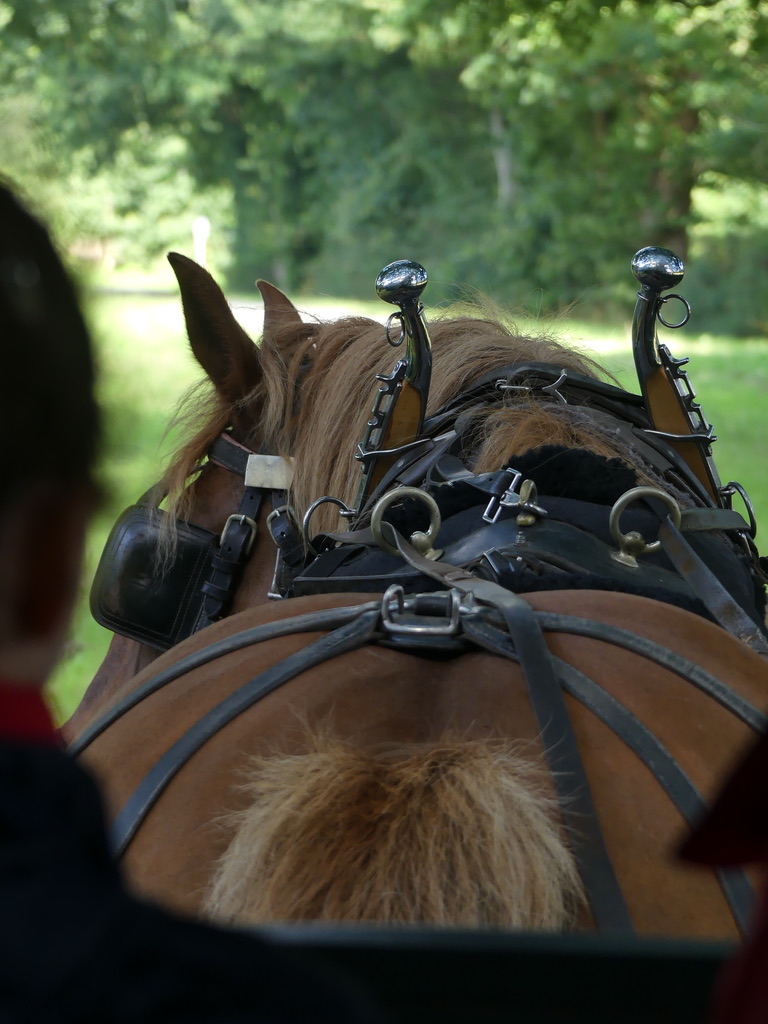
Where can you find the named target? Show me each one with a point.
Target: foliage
(729, 257)
(520, 148)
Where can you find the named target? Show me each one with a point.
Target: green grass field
(145, 367)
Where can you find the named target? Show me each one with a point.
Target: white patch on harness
(270, 471)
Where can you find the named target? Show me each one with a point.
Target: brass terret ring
(420, 540)
(632, 544)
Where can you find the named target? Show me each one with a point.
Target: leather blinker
(135, 593)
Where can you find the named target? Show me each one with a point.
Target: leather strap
(286, 532)
(694, 520)
(229, 558)
(663, 656)
(709, 589)
(231, 454)
(331, 618)
(636, 735)
(577, 807)
(288, 538)
(576, 389)
(735, 886)
(665, 769)
(454, 576)
(239, 533)
(346, 638)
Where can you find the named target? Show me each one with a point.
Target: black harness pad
(135, 594)
(575, 539)
(571, 549)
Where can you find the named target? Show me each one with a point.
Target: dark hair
(49, 420)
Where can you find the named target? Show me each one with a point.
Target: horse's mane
(318, 389)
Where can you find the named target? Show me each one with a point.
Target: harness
(500, 534)
(599, 532)
(141, 593)
(568, 541)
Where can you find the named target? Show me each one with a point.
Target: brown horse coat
(377, 700)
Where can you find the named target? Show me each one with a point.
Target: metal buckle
(287, 510)
(508, 499)
(238, 517)
(395, 594)
(274, 593)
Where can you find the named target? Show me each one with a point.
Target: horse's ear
(218, 342)
(284, 330)
(278, 309)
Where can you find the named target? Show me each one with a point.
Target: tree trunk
(674, 182)
(503, 160)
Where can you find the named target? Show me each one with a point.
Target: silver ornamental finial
(401, 282)
(657, 268)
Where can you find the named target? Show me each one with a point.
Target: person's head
(49, 428)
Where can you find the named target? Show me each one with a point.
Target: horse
(431, 771)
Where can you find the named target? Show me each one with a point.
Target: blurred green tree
(522, 148)
(604, 118)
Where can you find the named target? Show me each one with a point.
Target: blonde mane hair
(318, 388)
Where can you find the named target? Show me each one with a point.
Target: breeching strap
(560, 747)
(663, 656)
(331, 618)
(666, 770)
(346, 638)
(569, 779)
(626, 726)
(635, 734)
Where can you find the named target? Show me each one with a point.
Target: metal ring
(685, 319)
(310, 512)
(734, 487)
(399, 341)
(390, 498)
(629, 541)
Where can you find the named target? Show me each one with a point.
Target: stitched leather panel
(131, 593)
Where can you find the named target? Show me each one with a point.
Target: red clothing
(24, 715)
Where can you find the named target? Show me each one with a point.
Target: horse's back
(377, 698)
